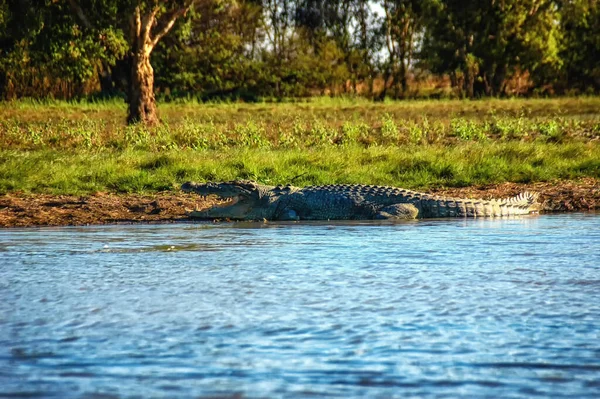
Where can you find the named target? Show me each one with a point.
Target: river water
(441, 308)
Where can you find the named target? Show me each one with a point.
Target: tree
(250, 48)
(481, 44)
(149, 21)
(368, 42)
(580, 44)
(45, 49)
(403, 22)
(149, 24)
(215, 53)
(449, 41)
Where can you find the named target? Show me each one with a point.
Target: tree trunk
(468, 82)
(3, 81)
(105, 77)
(386, 76)
(142, 104)
(499, 81)
(470, 71)
(396, 79)
(106, 83)
(454, 83)
(403, 79)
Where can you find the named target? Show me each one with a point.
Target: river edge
(31, 210)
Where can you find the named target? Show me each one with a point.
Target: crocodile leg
(288, 215)
(398, 211)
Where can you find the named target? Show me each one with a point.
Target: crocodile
(249, 200)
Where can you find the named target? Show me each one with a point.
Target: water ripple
(439, 308)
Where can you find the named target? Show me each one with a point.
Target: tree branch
(137, 23)
(146, 25)
(167, 21)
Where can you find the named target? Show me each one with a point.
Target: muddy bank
(22, 210)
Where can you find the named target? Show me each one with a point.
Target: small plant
(193, 135)
(290, 137)
(320, 134)
(298, 127)
(466, 130)
(416, 133)
(509, 129)
(389, 129)
(436, 132)
(287, 139)
(351, 133)
(87, 138)
(10, 133)
(136, 136)
(251, 134)
(551, 130)
(163, 140)
(35, 135)
(595, 130)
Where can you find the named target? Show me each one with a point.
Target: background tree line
(252, 49)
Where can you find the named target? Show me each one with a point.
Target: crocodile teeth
(227, 202)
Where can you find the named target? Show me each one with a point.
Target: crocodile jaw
(237, 208)
(241, 197)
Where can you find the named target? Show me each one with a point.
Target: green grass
(409, 166)
(73, 148)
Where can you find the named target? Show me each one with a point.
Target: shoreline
(36, 210)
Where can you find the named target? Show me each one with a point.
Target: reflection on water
(439, 308)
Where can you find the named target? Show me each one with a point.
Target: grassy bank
(82, 148)
(410, 166)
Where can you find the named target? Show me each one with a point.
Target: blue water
(450, 308)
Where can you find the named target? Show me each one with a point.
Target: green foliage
(47, 48)
(510, 129)
(403, 22)
(321, 134)
(252, 51)
(483, 45)
(417, 131)
(580, 46)
(552, 131)
(209, 63)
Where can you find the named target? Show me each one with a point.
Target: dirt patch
(20, 210)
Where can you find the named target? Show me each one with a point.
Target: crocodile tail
(525, 199)
(521, 204)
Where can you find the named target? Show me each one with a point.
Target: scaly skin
(253, 201)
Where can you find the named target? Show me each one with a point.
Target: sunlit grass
(84, 147)
(287, 131)
(410, 166)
